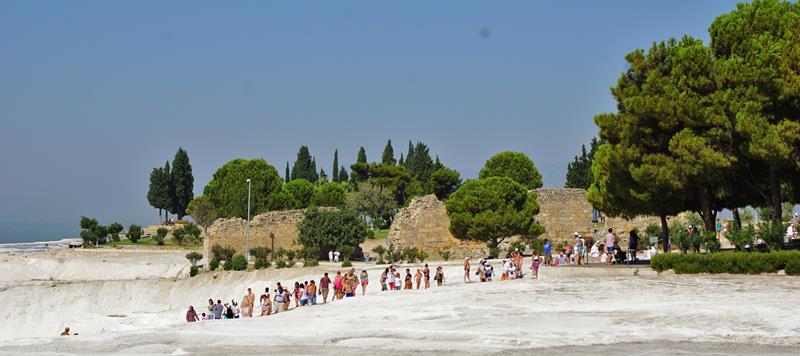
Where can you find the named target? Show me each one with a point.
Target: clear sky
(94, 94)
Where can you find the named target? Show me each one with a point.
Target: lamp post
(247, 229)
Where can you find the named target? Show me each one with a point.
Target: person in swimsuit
(535, 265)
(408, 279)
(311, 290)
(426, 274)
(337, 285)
(364, 281)
(398, 284)
(191, 316)
(390, 278)
(466, 270)
(418, 278)
(439, 277)
(66, 330)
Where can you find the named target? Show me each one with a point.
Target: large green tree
(227, 189)
(331, 194)
(371, 201)
(514, 165)
(388, 154)
(302, 192)
(359, 171)
(330, 229)
(579, 171)
(491, 210)
(158, 193)
(445, 181)
(305, 166)
(203, 211)
(183, 180)
(759, 47)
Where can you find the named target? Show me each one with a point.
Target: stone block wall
(563, 211)
(231, 232)
(424, 224)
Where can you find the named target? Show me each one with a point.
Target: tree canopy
(491, 210)
(514, 165)
(331, 229)
(203, 211)
(305, 167)
(302, 192)
(227, 189)
(183, 181)
(579, 171)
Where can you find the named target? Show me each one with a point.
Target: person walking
(251, 302)
(439, 277)
(218, 309)
(330, 256)
(191, 315)
(426, 275)
(611, 239)
(580, 248)
(364, 281)
(324, 284)
(548, 253)
(466, 270)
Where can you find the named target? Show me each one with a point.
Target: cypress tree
(157, 194)
(362, 155)
(410, 154)
(183, 180)
(388, 154)
(401, 162)
(286, 176)
(335, 171)
(322, 176)
(438, 164)
(313, 170)
(342, 175)
(304, 167)
(168, 188)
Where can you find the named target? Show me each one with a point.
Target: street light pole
(247, 231)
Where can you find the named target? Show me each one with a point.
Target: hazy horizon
(95, 94)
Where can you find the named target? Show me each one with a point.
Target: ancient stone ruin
(282, 225)
(424, 224)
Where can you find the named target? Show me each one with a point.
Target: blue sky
(93, 94)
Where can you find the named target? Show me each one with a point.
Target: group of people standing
(345, 285)
(392, 280)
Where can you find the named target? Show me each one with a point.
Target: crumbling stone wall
(424, 224)
(231, 232)
(563, 211)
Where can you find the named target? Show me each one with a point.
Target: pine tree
(323, 177)
(304, 167)
(362, 155)
(410, 154)
(388, 154)
(335, 171)
(183, 180)
(438, 164)
(286, 178)
(342, 175)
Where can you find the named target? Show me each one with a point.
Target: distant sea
(16, 232)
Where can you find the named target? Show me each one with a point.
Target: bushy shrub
(134, 233)
(309, 254)
(214, 264)
(193, 257)
(161, 234)
(380, 251)
(422, 255)
(409, 254)
(772, 234)
(222, 253)
(260, 253)
(347, 263)
(494, 252)
(227, 265)
(346, 252)
(239, 263)
(281, 264)
(727, 262)
(516, 246)
(792, 267)
(261, 264)
(193, 271)
(445, 254)
(711, 243)
(310, 263)
(741, 237)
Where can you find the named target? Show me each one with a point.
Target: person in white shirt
(330, 256)
(336, 256)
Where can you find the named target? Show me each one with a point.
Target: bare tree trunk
(737, 220)
(664, 232)
(160, 222)
(775, 194)
(709, 216)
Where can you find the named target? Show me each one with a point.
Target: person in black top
(633, 242)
